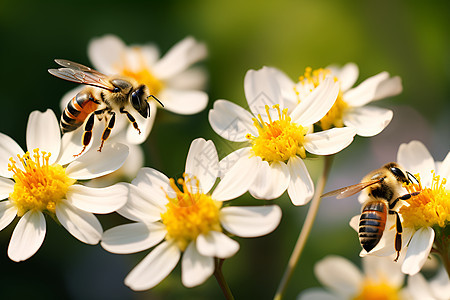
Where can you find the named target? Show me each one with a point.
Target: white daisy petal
(98, 200)
(202, 162)
(216, 244)
(347, 75)
(82, 225)
(262, 88)
(185, 53)
(365, 91)
(183, 102)
(134, 237)
(8, 148)
(95, 164)
(379, 269)
(43, 133)
(195, 268)
(301, 186)
(250, 221)
(388, 88)
(271, 180)
(71, 145)
(418, 250)
(286, 84)
(193, 78)
(230, 160)
(419, 288)
(28, 236)
(317, 294)
(237, 180)
(8, 213)
(106, 53)
(154, 267)
(368, 120)
(329, 141)
(145, 126)
(315, 106)
(6, 187)
(330, 270)
(416, 158)
(440, 285)
(231, 121)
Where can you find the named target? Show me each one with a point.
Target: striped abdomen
(76, 111)
(372, 223)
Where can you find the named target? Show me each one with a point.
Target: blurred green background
(408, 39)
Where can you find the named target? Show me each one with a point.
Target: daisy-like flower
(43, 180)
(381, 279)
(350, 108)
(278, 133)
(437, 288)
(171, 78)
(186, 217)
(424, 216)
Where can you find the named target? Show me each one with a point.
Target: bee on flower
(186, 217)
(43, 181)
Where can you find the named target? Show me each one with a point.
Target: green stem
(442, 247)
(221, 279)
(306, 229)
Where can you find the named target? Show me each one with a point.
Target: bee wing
(80, 74)
(350, 190)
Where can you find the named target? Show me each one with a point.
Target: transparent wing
(80, 74)
(350, 190)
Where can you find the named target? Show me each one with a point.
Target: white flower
(278, 133)
(438, 288)
(350, 108)
(171, 79)
(43, 180)
(420, 214)
(190, 221)
(381, 279)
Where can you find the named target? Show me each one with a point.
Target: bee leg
(87, 135)
(107, 130)
(398, 235)
(131, 119)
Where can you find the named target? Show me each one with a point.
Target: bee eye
(116, 90)
(399, 174)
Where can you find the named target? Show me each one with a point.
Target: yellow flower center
(189, 214)
(377, 291)
(430, 207)
(143, 75)
(333, 118)
(38, 185)
(278, 140)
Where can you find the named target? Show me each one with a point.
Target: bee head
(139, 101)
(398, 173)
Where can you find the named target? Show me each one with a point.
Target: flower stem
(221, 279)
(442, 247)
(306, 229)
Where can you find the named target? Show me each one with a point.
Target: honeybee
(102, 98)
(383, 188)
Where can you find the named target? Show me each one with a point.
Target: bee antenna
(153, 96)
(410, 176)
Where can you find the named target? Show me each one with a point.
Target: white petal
(237, 180)
(193, 78)
(71, 145)
(440, 285)
(8, 148)
(43, 133)
(379, 269)
(246, 221)
(106, 52)
(416, 158)
(231, 121)
(368, 120)
(145, 125)
(216, 244)
(95, 164)
(262, 88)
(418, 250)
(7, 213)
(82, 225)
(354, 222)
(316, 104)
(388, 88)
(301, 186)
(365, 91)
(134, 237)
(230, 160)
(329, 141)
(286, 84)
(185, 53)
(202, 162)
(195, 268)
(444, 169)
(27, 237)
(6, 187)
(98, 200)
(183, 102)
(339, 274)
(271, 180)
(419, 289)
(317, 294)
(154, 267)
(347, 75)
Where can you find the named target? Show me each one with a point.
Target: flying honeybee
(383, 188)
(102, 97)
